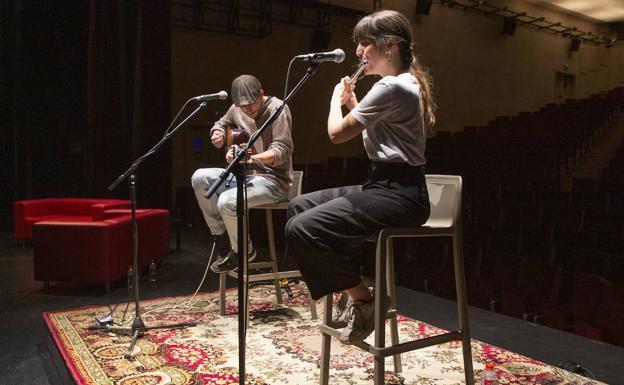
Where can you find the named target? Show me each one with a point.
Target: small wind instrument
(358, 73)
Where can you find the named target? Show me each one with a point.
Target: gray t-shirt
(391, 113)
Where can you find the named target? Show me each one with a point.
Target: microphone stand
(138, 326)
(239, 172)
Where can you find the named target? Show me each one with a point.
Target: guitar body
(237, 137)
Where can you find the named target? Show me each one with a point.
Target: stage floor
(26, 358)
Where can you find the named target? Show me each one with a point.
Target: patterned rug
(283, 347)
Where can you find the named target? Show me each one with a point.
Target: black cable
(287, 77)
(574, 367)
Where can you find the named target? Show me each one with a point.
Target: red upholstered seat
(98, 251)
(28, 212)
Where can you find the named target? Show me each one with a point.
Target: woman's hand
(341, 129)
(343, 93)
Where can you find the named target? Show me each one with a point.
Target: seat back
(445, 192)
(294, 191)
(295, 188)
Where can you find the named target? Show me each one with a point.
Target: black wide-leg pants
(323, 226)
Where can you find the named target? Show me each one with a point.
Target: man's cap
(245, 90)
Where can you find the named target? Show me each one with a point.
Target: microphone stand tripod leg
(128, 353)
(239, 173)
(137, 327)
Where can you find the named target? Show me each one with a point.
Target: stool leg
(222, 278)
(326, 341)
(272, 253)
(312, 305)
(246, 293)
(380, 296)
(462, 307)
(394, 326)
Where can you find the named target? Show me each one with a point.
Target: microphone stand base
(137, 329)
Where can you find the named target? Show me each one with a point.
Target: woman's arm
(342, 129)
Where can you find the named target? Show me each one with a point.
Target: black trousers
(323, 226)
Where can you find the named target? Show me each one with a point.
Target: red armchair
(27, 212)
(98, 251)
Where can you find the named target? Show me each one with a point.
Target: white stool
(445, 221)
(275, 275)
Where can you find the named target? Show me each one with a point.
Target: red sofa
(98, 251)
(27, 212)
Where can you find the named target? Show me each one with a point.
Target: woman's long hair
(390, 27)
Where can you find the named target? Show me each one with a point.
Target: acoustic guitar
(237, 137)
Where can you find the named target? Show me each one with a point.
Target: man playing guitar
(269, 167)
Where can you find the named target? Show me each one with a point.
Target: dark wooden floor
(23, 336)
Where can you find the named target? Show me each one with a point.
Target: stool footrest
(267, 276)
(413, 345)
(260, 265)
(390, 314)
(330, 331)
(400, 348)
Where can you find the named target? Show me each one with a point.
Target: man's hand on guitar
(229, 156)
(217, 139)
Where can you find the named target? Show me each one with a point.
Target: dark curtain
(8, 85)
(43, 78)
(86, 89)
(129, 95)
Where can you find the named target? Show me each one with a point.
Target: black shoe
(222, 246)
(226, 263)
(221, 259)
(230, 262)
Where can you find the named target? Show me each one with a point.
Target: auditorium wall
(479, 72)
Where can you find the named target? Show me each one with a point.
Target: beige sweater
(276, 137)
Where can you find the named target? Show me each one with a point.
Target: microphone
(336, 55)
(218, 96)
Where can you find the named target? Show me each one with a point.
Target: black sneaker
(222, 246)
(230, 262)
(222, 260)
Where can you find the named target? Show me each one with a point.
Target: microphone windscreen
(340, 55)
